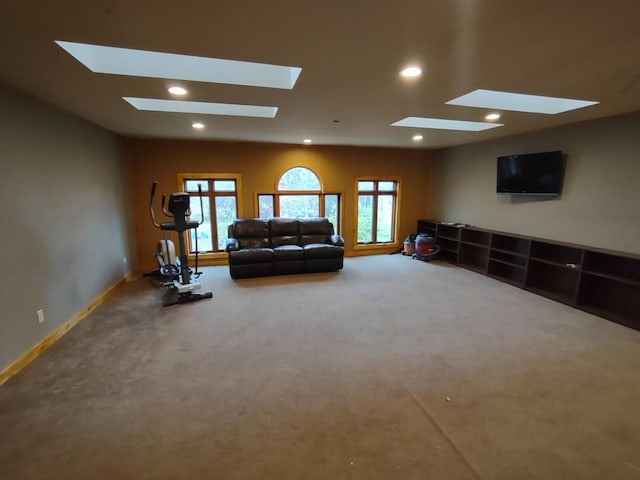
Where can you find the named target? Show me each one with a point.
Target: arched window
(299, 194)
(299, 178)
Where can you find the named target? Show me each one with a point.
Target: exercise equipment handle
(201, 209)
(151, 196)
(164, 209)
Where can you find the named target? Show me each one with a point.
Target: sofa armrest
(232, 245)
(336, 240)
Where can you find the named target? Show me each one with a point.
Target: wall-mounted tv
(531, 173)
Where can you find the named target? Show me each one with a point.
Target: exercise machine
(175, 272)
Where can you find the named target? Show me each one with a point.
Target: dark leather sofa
(275, 246)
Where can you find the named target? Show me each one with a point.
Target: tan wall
(600, 198)
(261, 165)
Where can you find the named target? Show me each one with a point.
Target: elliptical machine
(177, 276)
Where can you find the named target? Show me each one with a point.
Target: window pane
(224, 185)
(226, 213)
(265, 206)
(299, 178)
(331, 210)
(365, 218)
(299, 206)
(204, 230)
(385, 219)
(365, 186)
(386, 186)
(192, 185)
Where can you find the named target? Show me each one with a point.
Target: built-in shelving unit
(598, 281)
(508, 258)
(474, 251)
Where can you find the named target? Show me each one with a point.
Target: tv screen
(531, 173)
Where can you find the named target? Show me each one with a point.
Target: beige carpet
(389, 369)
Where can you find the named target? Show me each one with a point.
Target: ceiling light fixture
(206, 108)
(518, 102)
(417, 138)
(143, 63)
(410, 72)
(306, 141)
(177, 91)
(492, 116)
(444, 124)
(198, 125)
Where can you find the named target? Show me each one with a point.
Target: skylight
(183, 106)
(142, 63)
(518, 102)
(444, 124)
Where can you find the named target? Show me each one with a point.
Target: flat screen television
(531, 173)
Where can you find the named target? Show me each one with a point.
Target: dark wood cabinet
(601, 282)
(474, 249)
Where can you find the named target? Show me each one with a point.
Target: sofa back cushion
(315, 230)
(284, 231)
(251, 232)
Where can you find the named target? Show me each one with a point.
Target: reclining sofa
(275, 246)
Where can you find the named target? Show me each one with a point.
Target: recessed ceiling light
(307, 141)
(444, 124)
(177, 91)
(518, 102)
(142, 63)
(198, 125)
(183, 106)
(417, 138)
(412, 71)
(492, 116)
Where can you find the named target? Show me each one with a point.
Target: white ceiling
(350, 52)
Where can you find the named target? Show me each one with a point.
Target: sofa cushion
(322, 250)
(284, 240)
(252, 255)
(309, 239)
(288, 252)
(250, 227)
(254, 242)
(283, 227)
(315, 226)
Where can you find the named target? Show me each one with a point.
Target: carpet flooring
(389, 369)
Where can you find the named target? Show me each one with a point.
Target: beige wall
(600, 201)
(261, 165)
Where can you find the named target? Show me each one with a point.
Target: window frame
(322, 194)
(395, 227)
(212, 194)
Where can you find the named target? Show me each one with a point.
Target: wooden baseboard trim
(50, 339)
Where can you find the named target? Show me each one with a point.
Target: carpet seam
(443, 433)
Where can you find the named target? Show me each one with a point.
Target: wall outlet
(40, 314)
(124, 260)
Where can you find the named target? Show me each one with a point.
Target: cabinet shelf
(504, 262)
(507, 272)
(510, 244)
(620, 301)
(614, 278)
(447, 237)
(473, 243)
(555, 263)
(551, 280)
(553, 295)
(594, 280)
(509, 252)
(473, 256)
(622, 319)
